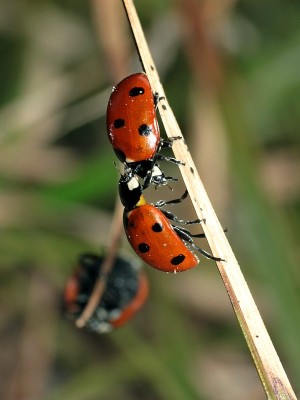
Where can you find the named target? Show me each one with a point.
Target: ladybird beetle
(133, 129)
(125, 292)
(151, 235)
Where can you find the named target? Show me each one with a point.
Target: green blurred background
(231, 73)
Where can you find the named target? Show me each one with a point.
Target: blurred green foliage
(59, 184)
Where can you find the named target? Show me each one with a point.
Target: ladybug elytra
(156, 241)
(133, 130)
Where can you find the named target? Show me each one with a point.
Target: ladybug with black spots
(150, 233)
(133, 130)
(125, 293)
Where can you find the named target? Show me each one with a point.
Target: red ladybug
(125, 293)
(151, 235)
(133, 129)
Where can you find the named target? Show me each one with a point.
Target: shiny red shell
(154, 240)
(132, 126)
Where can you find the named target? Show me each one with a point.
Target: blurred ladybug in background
(125, 293)
(133, 129)
(151, 235)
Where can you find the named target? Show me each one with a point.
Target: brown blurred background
(231, 73)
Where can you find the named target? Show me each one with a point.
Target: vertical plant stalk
(268, 365)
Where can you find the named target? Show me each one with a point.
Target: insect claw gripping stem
(170, 159)
(206, 254)
(168, 143)
(157, 98)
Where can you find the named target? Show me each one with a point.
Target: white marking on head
(133, 184)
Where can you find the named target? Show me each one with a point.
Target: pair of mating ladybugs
(133, 131)
(134, 134)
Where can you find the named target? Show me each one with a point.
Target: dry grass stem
(269, 367)
(106, 266)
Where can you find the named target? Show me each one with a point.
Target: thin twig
(268, 365)
(106, 266)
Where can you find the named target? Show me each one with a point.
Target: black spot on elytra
(145, 130)
(164, 107)
(151, 66)
(192, 170)
(136, 91)
(119, 123)
(157, 227)
(130, 224)
(178, 259)
(143, 247)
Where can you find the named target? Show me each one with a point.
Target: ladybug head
(130, 190)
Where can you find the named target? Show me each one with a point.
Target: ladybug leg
(157, 98)
(161, 180)
(157, 177)
(198, 235)
(170, 159)
(162, 203)
(206, 254)
(173, 217)
(187, 237)
(168, 143)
